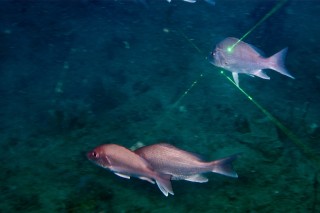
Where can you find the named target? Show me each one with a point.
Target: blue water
(78, 74)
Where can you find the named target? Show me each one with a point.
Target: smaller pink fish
(126, 163)
(239, 57)
(183, 165)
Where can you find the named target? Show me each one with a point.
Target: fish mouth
(89, 155)
(211, 58)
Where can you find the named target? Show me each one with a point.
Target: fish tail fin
(276, 62)
(164, 184)
(224, 166)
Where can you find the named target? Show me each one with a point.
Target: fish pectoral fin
(261, 74)
(197, 178)
(147, 179)
(122, 175)
(235, 78)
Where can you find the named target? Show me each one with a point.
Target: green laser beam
(190, 42)
(194, 83)
(186, 92)
(305, 149)
(270, 13)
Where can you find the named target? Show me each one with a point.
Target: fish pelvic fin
(261, 74)
(276, 62)
(197, 178)
(164, 184)
(122, 175)
(224, 166)
(147, 179)
(235, 76)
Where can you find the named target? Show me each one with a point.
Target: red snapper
(125, 163)
(239, 57)
(183, 165)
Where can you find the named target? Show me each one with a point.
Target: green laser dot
(229, 49)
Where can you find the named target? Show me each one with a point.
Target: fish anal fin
(197, 178)
(235, 78)
(122, 175)
(261, 74)
(147, 179)
(164, 184)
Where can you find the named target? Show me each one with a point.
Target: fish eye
(95, 154)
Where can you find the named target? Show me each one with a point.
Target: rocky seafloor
(77, 74)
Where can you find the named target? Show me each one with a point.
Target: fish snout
(92, 155)
(211, 57)
(218, 58)
(100, 159)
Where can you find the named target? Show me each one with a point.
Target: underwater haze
(81, 73)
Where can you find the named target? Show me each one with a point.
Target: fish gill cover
(78, 74)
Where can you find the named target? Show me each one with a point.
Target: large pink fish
(126, 163)
(183, 165)
(239, 57)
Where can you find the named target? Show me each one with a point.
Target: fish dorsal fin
(147, 179)
(191, 155)
(261, 74)
(235, 78)
(122, 175)
(256, 49)
(241, 44)
(197, 178)
(167, 145)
